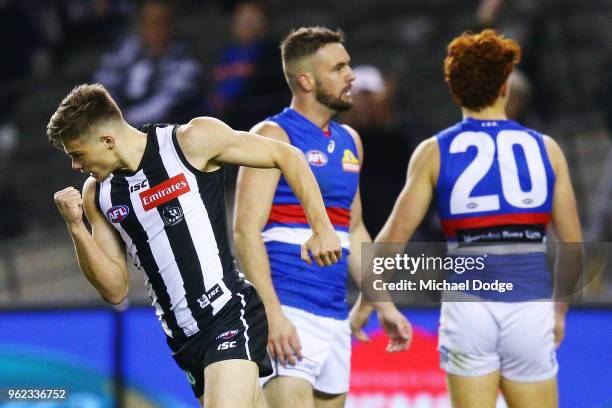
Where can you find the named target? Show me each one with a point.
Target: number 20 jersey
(495, 188)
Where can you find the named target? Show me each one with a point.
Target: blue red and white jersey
(333, 159)
(495, 187)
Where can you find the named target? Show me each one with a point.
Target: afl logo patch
(316, 158)
(117, 213)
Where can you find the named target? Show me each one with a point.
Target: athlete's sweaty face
(333, 77)
(90, 156)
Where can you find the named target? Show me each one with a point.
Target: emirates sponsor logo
(164, 192)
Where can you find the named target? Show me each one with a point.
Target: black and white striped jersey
(172, 219)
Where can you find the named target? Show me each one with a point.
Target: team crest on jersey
(228, 335)
(172, 216)
(117, 213)
(316, 158)
(350, 163)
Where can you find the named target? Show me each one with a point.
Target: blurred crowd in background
(169, 61)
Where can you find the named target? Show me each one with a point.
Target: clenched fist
(324, 247)
(70, 204)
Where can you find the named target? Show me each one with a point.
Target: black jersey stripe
(97, 199)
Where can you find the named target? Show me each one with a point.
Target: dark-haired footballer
(310, 327)
(157, 192)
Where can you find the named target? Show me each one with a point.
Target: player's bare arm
(408, 212)
(393, 322)
(208, 142)
(254, 194)
(101, 254)
(565, 219)
(566, 224)
(358, 233)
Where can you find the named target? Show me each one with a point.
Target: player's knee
(289, 391)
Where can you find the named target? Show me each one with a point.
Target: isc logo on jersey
(117, 213)
(316, 158)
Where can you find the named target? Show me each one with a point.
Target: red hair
(477, 65)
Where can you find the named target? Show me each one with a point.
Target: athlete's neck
(131, 148)
(313, 111)
(497, 111)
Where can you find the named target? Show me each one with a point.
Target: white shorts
(478, 338)
(326, 351)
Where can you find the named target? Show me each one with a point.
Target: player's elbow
(117, 294)
(285, 154)
(243, 232)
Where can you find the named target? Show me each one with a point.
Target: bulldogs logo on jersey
(117, 213)
(350, 163)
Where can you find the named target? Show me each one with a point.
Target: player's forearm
(567, 273)
(358, 236)
(380, 300)
(295, 169)
(109, 278)
(396, 230)
(256, 265)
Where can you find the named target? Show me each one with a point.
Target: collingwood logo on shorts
(172, 216)
(227, 335)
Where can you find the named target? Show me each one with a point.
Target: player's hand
(283, 341)
(324, 247)
(559, 329)
(397, 327)
(70, 204)
(359, 316)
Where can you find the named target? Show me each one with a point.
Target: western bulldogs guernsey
(171, 217)
(495, 188)
(333, 160)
